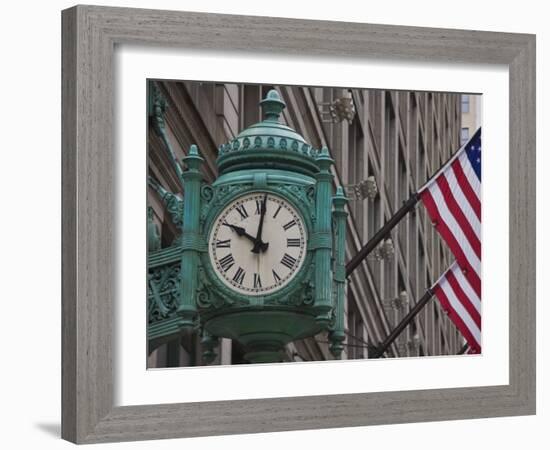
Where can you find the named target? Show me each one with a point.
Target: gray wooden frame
(89, 36)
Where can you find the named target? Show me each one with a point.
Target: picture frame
(90, 34)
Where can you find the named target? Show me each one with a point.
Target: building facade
(471, 115)
(385, 144)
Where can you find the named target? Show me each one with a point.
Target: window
(402, 180)
(373, 210)
(389, 156)
(464, 135)
(422, 171)
(356, 335)
(356, 169)
(465, 103)
(403, 195)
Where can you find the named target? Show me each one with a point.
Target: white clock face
(254, 256)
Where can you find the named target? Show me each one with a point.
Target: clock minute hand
(258, 244)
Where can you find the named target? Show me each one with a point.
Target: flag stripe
(442, 228)
(461, 219)
(457, 308)
(467, 288)
(463, 299)
(461, 200)
(461, 304)
(470, 174)
(443, 215)
(469, 191)
(455, 318)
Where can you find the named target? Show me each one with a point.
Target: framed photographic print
(302, 218)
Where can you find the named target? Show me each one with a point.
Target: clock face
(257, 245)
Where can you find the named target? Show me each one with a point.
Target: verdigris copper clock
(261, 255)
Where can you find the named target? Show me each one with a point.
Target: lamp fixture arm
(172, 202)
(157, 111)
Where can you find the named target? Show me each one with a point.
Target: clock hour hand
(258, 244)
(242, 232)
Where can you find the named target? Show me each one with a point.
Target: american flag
(453, 201)
(462, 305)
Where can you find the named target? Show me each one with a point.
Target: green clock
(261, 256)
(257, 244)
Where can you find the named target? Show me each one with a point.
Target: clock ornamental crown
(268, 144)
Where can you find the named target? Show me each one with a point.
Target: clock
(257, 244)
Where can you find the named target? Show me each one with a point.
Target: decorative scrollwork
(163, 292)
(207, 193)
(204, 296)
(172, 202)
(310, 194)
(158, 109)
(225, 191)
(332, 323)
(308, 297)
(306, 195)
(215, 197)
(203, 299)
(153, 235)
(304, 296)
(207, 295)
(174, 206)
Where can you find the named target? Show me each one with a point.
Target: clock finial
(272, 106)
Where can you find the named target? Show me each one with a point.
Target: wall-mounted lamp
(365, 189)
(342, 108)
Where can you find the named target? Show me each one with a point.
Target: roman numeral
(257, 281)
(277, 212)
(289, 225)
(258, 207)
(290, 242)
(276, 277)
(288, 261)
(227, 262)
(239, 276)
(223, 244)
(242, 211)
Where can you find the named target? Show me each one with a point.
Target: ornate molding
(173, 203)
(304, 195)
(163, 291)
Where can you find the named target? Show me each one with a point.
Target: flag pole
(463, 349)
(404, 210)
(403, 324)
(381, 234)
